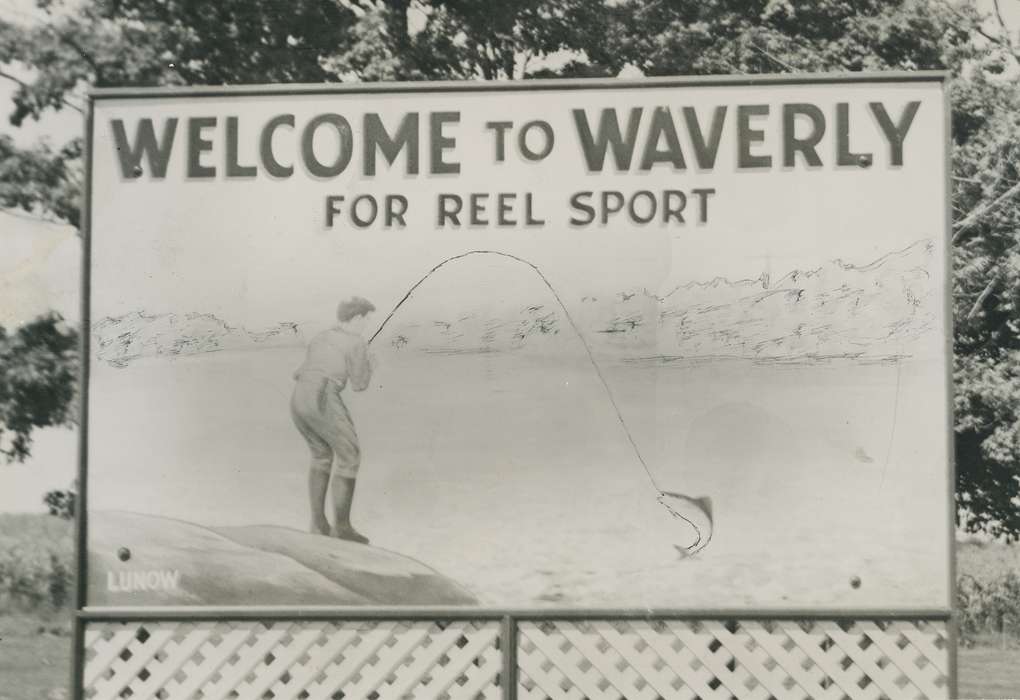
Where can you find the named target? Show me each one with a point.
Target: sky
(39, 271)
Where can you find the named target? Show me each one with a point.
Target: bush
(989, 605)
(36, 562)
(61, 503)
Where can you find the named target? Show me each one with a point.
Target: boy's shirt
(339, 356)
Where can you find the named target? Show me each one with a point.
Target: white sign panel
(657, 345)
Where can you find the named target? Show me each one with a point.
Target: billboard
(635, 345)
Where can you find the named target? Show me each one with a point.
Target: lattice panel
(639, 660)
(556, 660)
(293, 660)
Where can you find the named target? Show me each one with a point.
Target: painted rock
(175, 563)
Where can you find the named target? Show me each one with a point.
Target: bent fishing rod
(663, 497)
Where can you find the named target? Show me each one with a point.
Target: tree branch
(772, 58)
(85, 55)
(13, 79)
(983, 296)
(977, 213)
(1004, 28)
(25, 85)
(1004, 42)
(525, 60)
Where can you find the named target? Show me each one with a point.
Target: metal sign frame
(507, 618)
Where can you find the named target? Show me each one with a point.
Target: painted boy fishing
(335, 358)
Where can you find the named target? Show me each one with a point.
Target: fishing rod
(663, 496)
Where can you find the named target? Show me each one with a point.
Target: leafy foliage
(61, 503)
(989, 605)
(988, 442)
(40, 179)
(174, 42)
(758, 36)
(462, 39)
(987, 298)
(107, 43)
(770, 36)
(38, 380)
(146, 43)
(36, 562)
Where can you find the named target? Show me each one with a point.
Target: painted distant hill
(879, 310)
(121, 339)
(872, 311)
(837, 309)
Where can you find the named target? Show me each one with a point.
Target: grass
(35, 656)
(37, 529)
(989, 672)
(35, 621)
(35, 642)
(990, 668)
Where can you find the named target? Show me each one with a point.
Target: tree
(687, 37)
(727, 36)
(986, 291)
(169, 42)
(38, 380)
(129, 42)
(102, 43)
(463, 39)
(42, 180)
(61, 503)
(147, 43)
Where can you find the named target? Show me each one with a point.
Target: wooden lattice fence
(645, 660)
(548, 659)
(293, 660)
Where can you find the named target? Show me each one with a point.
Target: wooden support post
(508, 677)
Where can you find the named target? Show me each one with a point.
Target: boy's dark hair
(353, 307)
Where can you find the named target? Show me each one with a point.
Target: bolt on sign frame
(536, 142)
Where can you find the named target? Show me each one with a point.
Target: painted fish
(696, 512)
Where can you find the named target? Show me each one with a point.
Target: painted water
(509, 471)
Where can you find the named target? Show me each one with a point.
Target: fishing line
(662, 495)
